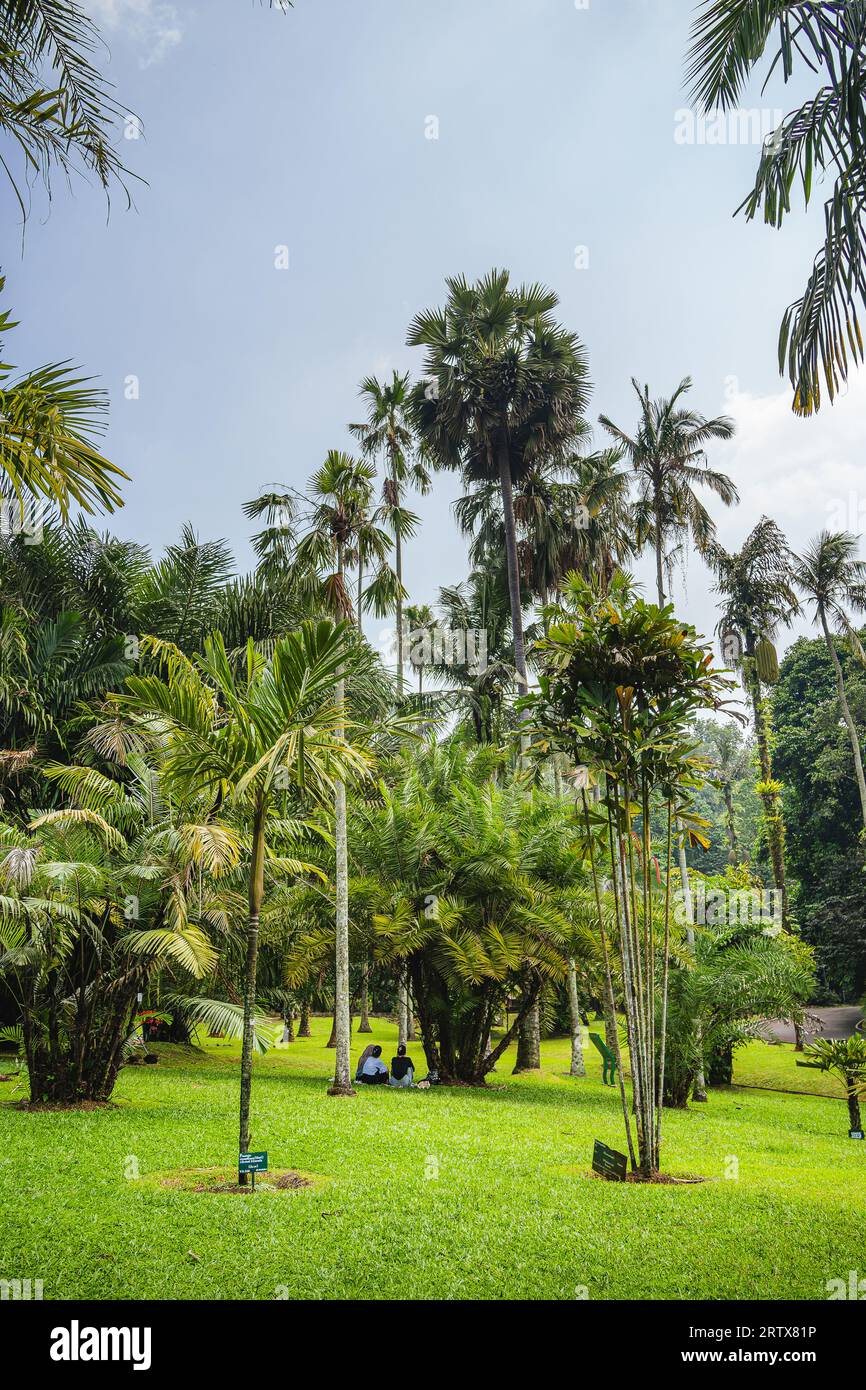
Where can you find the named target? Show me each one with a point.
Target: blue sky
(309, 130)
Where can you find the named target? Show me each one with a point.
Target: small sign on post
(608, 1163)
(855, 1134)
(252, 1163)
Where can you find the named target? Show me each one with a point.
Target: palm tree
(667, 453)
(245, 737)
(49, 418)
(339, 491)
(730, 760)
(506, 386)
(73, 122)
(421, 629)
(757, 598)
(388, 431)
(833, 581)
(822, 137)
(123, 881)
(570, 514)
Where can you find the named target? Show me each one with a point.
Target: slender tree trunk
(846, 715)
(342, 1017)
(660, 578)
(360, 593)
(401, 1008)
(578, 1066)
(770, 800)
(364, 1025)
(731, 825)
(304, 1030)
(699, 1092)
(854, 1107)
(504, 462)
(700, 1087)
(398, 568)
(529, 1039)
(256, 895)
(411, 1035)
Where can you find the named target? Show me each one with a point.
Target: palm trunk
(304, 1030)
(578, 1066)
(529, 1039)
(364, 1025)
(769, 799)
(659, 548)
(342, 1017)
(411, 1035)
(699, 1092)
(846, 715)
(398, 568)
(700, 1088)
(256, 895)
(504, 461)
(360, 594)
(342, 1021)
(731, 826)
(401, 1008)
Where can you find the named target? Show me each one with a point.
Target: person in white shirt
(374, 1072)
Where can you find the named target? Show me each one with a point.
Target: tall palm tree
(834, 581)
(49, 420)
(667, 453)
(756, 599)
(819, 141)
(339, 493)
(246, 737)
(506, 386)
(388, 431)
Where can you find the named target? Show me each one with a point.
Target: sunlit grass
(444, 1193)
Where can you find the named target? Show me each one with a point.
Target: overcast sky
(557, 156)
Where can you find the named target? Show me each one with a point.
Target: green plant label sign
(608, 1162)
(253, 1163)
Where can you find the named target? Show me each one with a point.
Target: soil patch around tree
(223, 1181)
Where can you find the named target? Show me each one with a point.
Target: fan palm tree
(756, 599)
(833, 581)
(667, 453)
(506, 386)
(244, 737)
(49, 419)
(387, 432)
(820, 139)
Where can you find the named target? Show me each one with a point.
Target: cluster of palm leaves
(822, 138)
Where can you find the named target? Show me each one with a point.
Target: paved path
(838, 1022)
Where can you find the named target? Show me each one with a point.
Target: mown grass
(445, 1193)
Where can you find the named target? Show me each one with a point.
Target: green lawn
(445, 1193)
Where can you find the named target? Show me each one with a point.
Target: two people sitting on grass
(372, 1071)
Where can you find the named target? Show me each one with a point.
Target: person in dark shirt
(402, 1069)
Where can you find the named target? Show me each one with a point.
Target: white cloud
(807, 474)
(152, 25)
